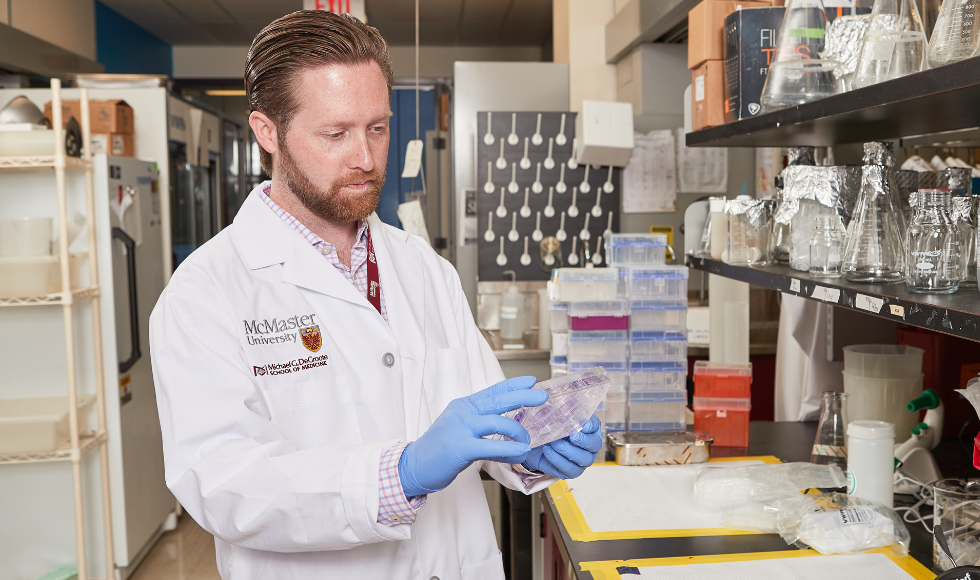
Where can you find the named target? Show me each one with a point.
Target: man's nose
(361, 156)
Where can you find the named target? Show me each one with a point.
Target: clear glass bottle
(933, 263)
(963, 211)
(798, 74)
(956, 34)
(894, 45)
(830, 445)
(874, 252)
(826, 247)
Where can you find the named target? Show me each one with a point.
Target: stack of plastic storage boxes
(590, 328)
(657, 298)
(722, 401)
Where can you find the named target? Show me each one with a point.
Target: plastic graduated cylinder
(572, 399)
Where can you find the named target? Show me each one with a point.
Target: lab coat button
(388, 360)
(396, 519)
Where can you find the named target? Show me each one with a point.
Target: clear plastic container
(636, 249)
(615, 418)
(657, 416)
(25, 237)
(609, 315)
(572, 399)
(560, 360)
(559, 344)
(657, 283)
(558, 370)
(618, 380)
(883, 361)
(652, 346)
(724, 380)
(721, 404)
(649, 377)
(586, 284)
(658, 315)
(38, 425)
(559, 317)
(597, 346)
(26, 276)
(675, 396)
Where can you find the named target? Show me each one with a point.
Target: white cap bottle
(871, 461)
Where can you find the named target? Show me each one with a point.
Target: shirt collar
(315, 240)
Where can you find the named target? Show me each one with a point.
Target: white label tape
(794, 285)
(868, 303)
(897, 310)
(826, 294)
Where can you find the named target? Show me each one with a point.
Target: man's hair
(297, 42)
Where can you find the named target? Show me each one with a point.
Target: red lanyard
(374, 283)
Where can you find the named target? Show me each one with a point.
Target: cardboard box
(117, 144)
(114, 116)
(706, 29)
(708, 95)
(750, 45)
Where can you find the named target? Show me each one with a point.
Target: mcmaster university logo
(311, 338)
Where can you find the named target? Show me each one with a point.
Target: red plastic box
(722, 401)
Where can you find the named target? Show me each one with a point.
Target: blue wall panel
(125, 48)
(396, 189)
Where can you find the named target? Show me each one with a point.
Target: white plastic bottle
(871, 461)
(512, 314)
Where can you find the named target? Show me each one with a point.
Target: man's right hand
(455, 440)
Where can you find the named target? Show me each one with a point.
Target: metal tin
(660, 447)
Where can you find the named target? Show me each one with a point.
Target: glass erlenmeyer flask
(875, 252)
(798, 73)
(883, 153)
(830, 446)
(957, 32)
(894, 44)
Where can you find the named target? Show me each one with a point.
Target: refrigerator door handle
(134, 323)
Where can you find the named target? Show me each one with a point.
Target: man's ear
(265, 131)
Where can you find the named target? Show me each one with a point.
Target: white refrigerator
(37, 534)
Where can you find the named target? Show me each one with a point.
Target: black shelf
(957, 314)
(942, 99)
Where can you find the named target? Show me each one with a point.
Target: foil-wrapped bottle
(779, 238)
(875, 250)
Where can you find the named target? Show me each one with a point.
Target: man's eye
(335, 135)
(379, 129)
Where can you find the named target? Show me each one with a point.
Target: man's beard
(332, 205)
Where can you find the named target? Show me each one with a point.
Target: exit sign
(353, 7)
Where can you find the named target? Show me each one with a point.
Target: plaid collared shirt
(394, 507)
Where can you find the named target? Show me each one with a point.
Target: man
(325, 396)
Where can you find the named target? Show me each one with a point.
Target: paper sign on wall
(413, 159)
(650, 179)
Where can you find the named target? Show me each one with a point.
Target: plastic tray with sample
(572, 399)
(558, 370)
(657, 282)
(657, 377)
(559, 317)
(597, 346)
(652, 346)
(636, 249)
(668, 317)
(657, 416)
(608, 315)
(618, 373)
(586, 284)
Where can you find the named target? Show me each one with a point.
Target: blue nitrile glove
(567, 458)
(455, 439)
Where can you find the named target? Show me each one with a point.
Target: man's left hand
(567, 458)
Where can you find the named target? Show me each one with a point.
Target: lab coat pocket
(315, 412)
(490, 568)
(446, 376)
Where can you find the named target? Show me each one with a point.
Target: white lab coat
(282, 467)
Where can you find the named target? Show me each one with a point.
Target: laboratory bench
(790, 442)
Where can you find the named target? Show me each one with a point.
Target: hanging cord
(923, 496)
(417, 102)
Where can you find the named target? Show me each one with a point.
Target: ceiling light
(225, 93)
